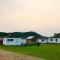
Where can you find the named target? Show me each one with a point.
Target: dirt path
(4, 55)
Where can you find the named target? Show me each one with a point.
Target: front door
(1, 42)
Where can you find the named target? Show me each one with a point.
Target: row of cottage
(20, 41)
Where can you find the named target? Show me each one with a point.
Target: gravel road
(4, 55)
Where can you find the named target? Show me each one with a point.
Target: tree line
(25, 34)
(19, 34)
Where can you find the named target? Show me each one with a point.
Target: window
(51, 39)
(56, 39)
(9, 39)
(42, 40)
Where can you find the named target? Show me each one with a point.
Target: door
(1, 41)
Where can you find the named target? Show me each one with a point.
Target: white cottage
(53, 40)
(42, 40)
(48, 40)
(13, 41)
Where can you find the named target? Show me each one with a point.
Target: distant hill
(26, 34)
(20, 34)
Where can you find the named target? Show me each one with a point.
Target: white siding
(58, 40)
(52, 40)
(42, 40)
(16, 41)
(49, 40)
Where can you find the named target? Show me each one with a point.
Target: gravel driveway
(4, 55)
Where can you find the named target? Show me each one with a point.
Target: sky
(41, 16)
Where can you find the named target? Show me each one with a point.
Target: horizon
(41, 16)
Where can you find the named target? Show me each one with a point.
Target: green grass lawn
(45, 51)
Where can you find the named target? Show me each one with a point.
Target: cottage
(48, 40)
(13, 41)
(54, 40)
(42, 40)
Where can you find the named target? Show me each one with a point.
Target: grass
(45, 51)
